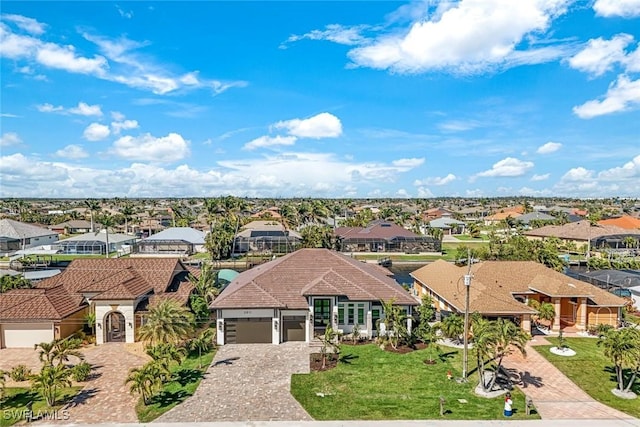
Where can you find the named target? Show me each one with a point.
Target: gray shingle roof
(20, 230)
(187, 234)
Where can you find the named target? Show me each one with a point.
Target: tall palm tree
(50, 380)
(205, 284)
(107, 221)
(508, 338)
(127, 212)
(93, 206)
(484, 342)
(167, 322)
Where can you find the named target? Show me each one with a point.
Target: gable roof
(39, 304)
(73, 223)
(20, 230)
(495, 282)
(100, 236)
(535, 215)
(287, 281)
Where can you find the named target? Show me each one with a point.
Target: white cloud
(167, 149)
(65, 58)
(444, 180)
(543, 177)
(124, 13)
(117, 116)
(96, 132)
(85, 109)
(470, 36)
(623, 8)
(29, 25)
(323, 125)
(630, 170)
(424, 192)
(269, 141)
(119, 126)
(335, 33)
(549, 147)
(622, 95)
(49, 108)
(600, 55)
(578, 174)
(9, 138)
(408, 163)
(508, 167)
(72, 152)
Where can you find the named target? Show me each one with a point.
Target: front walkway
(553, 394)
(106, 398)
(247, 382)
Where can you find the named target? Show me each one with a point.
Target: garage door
(25, 334)
(247, 331)
(293, 328)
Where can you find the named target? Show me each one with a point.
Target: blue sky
(320, 99)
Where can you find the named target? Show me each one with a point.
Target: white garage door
(25, 334)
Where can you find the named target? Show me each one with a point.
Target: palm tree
(49, 380)
(90, 318)
(145, 380)
(202, 343)
(46, 354)
(547, 311)
(205, 283)
(622, 346)
(127, 212)
(106, 221)
(93, 206)
(452, 326)
(167, 322)
(508, 338)
(163, 354)
(484, 342)
(65, 348)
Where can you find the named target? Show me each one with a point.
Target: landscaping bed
(592, 371)
(372, 384)
(14, 405)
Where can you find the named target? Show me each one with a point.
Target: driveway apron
(554, 395)
(247, 382)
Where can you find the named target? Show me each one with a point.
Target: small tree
(202, 343)
(167, 322)
(145, 381)
(395, 331)
(355, 333)
(90, 319)
(452, 326)
(65, 348)
(547, 312)
(331, 343)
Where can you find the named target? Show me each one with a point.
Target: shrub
(81, 371)
(602, 329)
(20, 373)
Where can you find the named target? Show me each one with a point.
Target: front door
(115, 327)
(321, 313)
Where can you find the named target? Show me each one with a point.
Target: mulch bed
(315, 362)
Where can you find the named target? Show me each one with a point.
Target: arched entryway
(114, 327)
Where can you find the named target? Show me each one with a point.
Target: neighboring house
(503, 289)
(526, 219)
(624, 283)
(94, 243)
(296, 297)
(582, 232)
(435, 213)
(16, 235)
(119, 290)
(74, 226)
(384, 236)
(263, 236)
(626, 221)
(272, 212)
(498, 217)
(448, 225)
(174, 241)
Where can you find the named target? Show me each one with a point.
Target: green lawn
(372, 384)
(14, 405)
(468, 239)
(592, 372)
(186, 378)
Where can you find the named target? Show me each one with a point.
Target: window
(360, 314)
(350, 314)
(321, 312)
(341, 314)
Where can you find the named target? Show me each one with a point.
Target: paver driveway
(247, 382)
(555, 396)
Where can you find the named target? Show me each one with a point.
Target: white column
(220, 332)
(275, 330)
(369, 325)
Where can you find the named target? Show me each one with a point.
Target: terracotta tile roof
(502, 215)
(495, 282)
(285, 282)
(626, 221)
(580, 230)
(39, 304)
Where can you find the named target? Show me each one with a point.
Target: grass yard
(592, 372)
(186, 378)
(14, 406)
(468, 239)
(372, 384)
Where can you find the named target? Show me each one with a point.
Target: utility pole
(467, 285)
